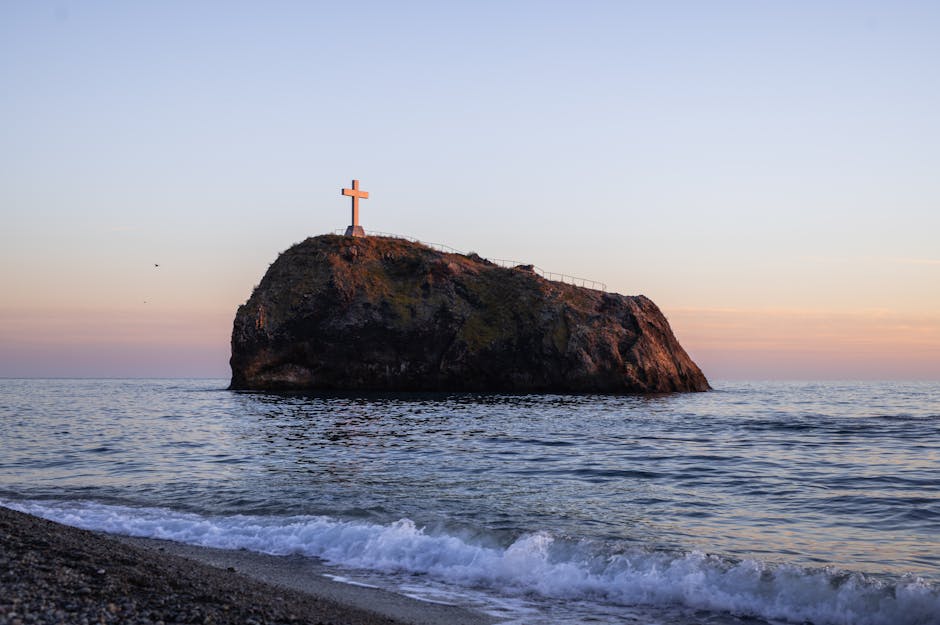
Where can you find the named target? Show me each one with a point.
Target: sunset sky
(767, 172)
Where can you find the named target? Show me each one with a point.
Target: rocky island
(387, 314)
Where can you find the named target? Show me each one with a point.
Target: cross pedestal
(354, 229)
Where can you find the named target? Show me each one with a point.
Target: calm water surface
(780, 502)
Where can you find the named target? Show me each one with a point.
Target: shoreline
(55, 573)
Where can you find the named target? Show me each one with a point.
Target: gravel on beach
(52, 573)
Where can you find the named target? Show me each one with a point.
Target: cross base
(355, 231)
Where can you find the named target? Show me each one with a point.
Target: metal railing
(509, 264)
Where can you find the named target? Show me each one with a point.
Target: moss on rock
(378, 313)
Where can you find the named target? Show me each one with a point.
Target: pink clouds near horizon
(726, 343)
(810, 344)
(109, 343)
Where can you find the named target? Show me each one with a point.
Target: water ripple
(842, 474)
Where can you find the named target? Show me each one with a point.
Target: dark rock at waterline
(377, 313)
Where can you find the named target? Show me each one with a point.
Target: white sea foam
(351, 582)
(536, 563)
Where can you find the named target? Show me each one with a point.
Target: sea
(755, 503)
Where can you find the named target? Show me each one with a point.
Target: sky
(766, 172)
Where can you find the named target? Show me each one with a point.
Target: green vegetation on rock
(377, 313)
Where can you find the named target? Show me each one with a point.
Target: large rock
(377, 313)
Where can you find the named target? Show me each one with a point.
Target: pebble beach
(55, 574)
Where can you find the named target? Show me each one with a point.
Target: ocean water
(755, 503)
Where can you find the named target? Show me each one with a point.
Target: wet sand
(52, 573)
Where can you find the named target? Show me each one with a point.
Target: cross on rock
(355, 230)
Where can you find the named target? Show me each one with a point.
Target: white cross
(355, 230)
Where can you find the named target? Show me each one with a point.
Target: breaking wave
(536, 563)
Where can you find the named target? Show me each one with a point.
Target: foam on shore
(54, 573)
(536, 563)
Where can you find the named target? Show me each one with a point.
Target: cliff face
(376, 313)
